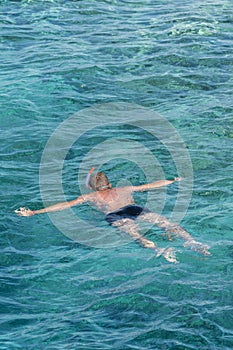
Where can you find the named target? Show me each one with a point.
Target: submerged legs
(130, 227)
(168, 226)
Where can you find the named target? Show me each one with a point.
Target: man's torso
(112, 199)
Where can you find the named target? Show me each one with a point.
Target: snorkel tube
(88, 177)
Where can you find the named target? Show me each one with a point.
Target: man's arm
(153, 185)
(52, 208)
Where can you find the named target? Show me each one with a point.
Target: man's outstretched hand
(24, 212)
(178, 178)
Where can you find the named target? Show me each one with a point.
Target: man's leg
(129, 226)
(166, 225)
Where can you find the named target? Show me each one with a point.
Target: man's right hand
(24, 212)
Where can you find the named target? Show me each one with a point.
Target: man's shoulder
(123, 189)
(89, 196)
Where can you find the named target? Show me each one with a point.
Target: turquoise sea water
(57, 58)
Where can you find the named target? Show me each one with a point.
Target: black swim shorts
(131, 211)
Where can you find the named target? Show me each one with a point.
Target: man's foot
(197, 247)
(168, 253)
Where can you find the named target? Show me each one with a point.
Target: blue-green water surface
(57, 58)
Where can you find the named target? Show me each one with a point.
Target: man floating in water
(121, 211)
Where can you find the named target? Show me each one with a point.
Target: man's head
(99, 181)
